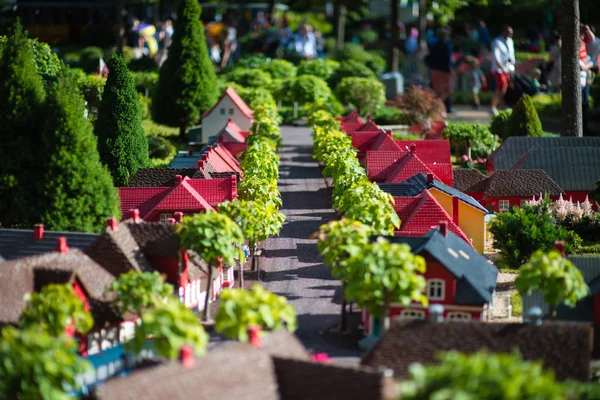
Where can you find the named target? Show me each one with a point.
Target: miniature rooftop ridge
(519, 183)
(429, 151)
(466, 178)
(236, 99)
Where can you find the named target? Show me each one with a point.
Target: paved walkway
(293, 266)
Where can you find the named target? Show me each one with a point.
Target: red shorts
(441, 81)
(501, 82)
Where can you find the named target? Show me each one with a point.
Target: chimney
(436, 313)
(178, 216)
(559, 245)
(112, 223)
(171, 221)
(200, 164)
(234, 193)
(412, 148)
(38, 231)
(178, 179)
(444, 228)
(136, 215)
(455, 209)
(254, 332)
(186, 356)
(429, 178)
(229, 120)
(534, 316)
(61, 245)
(389, 133)
(204, 156)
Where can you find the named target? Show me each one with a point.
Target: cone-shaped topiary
(77, 190)
(21, 108)
(187, 84)
(122, 142)
(524, 120)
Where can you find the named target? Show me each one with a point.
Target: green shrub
(349, 69)
(146, 104)
(145, 81)
(354, 52)
(159, 147)
(390, 116)
(406, 136)
(499, 122)
(592, 249)
(368, 36)
(151, 128)
(47, 63)
(144, 64)
(463, 135)
(321, 67)
(89, 58)
(523, 56)
(256, 96)
(252, 61)
(524, 120)
(254, 78)
(280, 69)
(316, 20)
(548, 104)
(303, 89)
(366, 94)
(517, 304)
(92, 88)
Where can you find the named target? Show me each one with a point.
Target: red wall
(494, 202)
(70, 331)
(170, 267)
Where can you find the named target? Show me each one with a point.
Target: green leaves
(555, 276)
(53, 309)
(257, 219)
(524, 120)
(170, 325)
(365, 94)
(241, 309)
(478, 137)
(136, 291)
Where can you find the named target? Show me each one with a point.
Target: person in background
(503, 50)
(320, 44)
(439, 61)
(476, 78)
(536, 75)
(592, 45)
(484, 35)
(164, 39)
(305, 44)
(230, 47)
(555, 66)
(585, 65)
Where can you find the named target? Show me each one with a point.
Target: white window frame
(458, 316)
(410, 314)
(503, 205)
(165, 217)
(439, 284)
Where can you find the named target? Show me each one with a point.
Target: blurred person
(555, 66)
(592, 45)
(484, 34)
(165, 37)
(503, 50)
(536, 76)
(586, 66)
(230, 47)
(305, 44)
(476, 78)
(439, 62)
(320, 40)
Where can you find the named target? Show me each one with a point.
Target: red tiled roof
(217, 159)
(231, 132)
(429, 151)
(370, 125)
(444, 171)
(214, 191)
(350, 127)
(407, 167)
(142, 198)
(373, 140)
(380, 164)
(182, 197)
(420, 214)
(237, 100)
(228, 158)
(351, 117)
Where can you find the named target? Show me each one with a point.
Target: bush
(252, 61)
(588, 249)
(146, 104)
(159, 147)
(145, 81)
(368, 36)
(92, 88)
(524, 120)
(390, 116)
(254, 78)
(322, 68)
(499, 122)
(463, 135)
(517, 304)
(151, 128)
(280, 69)
(366, 94)
(144, 64)
(303, 89)
(89, 58)
(46, 62)
(349, 69)
(316, 20)
(548, 104)
(354, 52)
(420, 104)
(522, 56)
(254, 97)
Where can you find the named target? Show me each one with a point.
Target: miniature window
(503, 205)
(222, 111)
(458, 316)
(164, 217)
(231, 111)
(435, 289)
(524, 202)
(409, 315)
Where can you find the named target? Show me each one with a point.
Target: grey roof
(17, 243)
(475, 275)
(572, 168)
(519, 183)
(466, 178)
(415, 185)
(515, 147)
(185, 159)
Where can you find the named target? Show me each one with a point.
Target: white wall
(215, 121)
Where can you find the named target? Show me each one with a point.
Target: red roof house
(233, 138)
(229, 106)
(352, 116)
(398, 166)
(372, 140)
(368, 126)
(189, 196)
(429, 151)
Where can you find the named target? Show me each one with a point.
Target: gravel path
(292, 265)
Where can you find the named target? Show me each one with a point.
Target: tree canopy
(136, 292)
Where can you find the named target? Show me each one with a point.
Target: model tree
(122, 143)
(170, 325)
(187, 84)
(555, 276)
(77, 191)
(242, 309)
(135, 292)
(21, 108)
(215, 238)
(36, 365)
(524, 120)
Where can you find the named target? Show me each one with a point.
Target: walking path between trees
(293, 266)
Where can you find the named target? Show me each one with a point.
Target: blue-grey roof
(185, 159)
(475, 275)
(515, 147)
(17, 243)
(415, 185)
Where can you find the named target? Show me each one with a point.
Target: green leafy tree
(280, 69)
(260, 189)
(135, 292)
(476, 137)
(54, 308)
(47, 62)
(384, 273)
(215, 238)
(303, 89)
(321, 68)
(259, 160)
(555, 276)
(250, 78)
(187, 81)
(366, 94)
(524, 120)
(265, 128)
(348, 69)
(77, 190)
(499, 122)
(22, 100)
(37, 365)
(121, 139)
(481, 376)
(170, 325)
(241, 309)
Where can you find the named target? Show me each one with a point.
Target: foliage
(303, 89)
(241, 309)
(347, 69)
(159, 147)
(321, 67)
(36, 365)
(280, 69)
(419, 103)
(316, 20)
(521, 231)
(366, 94)
(186, 84)
(368, 36)
(481, 376)
(548, 104)
(354, 52)
(390, 116)
(465, 97)
(256, 97)
(516, 301)
(383, 273)
(260, 189)
(250, 78)
(153, 129)
(524, 120)
(89, 58)
(91, 88)
(262, 129)
(122, 142)
(47, 63)
(54, 308)
(212, 236)
(257, 219)
(463, 135)
(499, 123)
(145, 80)
(135, 292)
(169, 325)
(252, 61)
(522, 56)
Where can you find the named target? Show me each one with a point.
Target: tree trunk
(571, 90)
(182, 132)
(344, 315)
(341, 27)
(394, 48)
(206, 315)
(422, 24)
(241, 274)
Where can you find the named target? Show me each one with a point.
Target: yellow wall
(470, 219)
